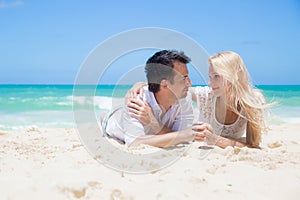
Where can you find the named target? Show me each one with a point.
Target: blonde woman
(229, 108)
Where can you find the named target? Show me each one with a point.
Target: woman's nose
(209, 83)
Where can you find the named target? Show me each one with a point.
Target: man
(167, 96)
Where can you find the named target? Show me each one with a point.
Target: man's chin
(183, 96)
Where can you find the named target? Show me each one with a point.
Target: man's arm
(140, 110)
(166, 140)
(135, 90)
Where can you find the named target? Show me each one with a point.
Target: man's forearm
(158, 129)
(167, 139)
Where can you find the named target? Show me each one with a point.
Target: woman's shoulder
(203, 91)
(204, 97)
(204, 102)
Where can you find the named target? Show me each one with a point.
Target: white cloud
(11, 4)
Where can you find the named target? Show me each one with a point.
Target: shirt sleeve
(132, 129)
(125, 128)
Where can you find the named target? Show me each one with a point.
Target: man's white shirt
(178, 117)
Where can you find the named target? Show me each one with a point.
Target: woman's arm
(253, 135)
(225, 142)
(206, 133)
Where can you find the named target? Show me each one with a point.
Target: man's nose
(189, 81)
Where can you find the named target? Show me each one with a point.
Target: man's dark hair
(160, 67)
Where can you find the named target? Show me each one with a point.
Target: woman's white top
(206, 103)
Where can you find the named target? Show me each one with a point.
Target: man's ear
(164, 83)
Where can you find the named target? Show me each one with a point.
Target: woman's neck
(223, 113)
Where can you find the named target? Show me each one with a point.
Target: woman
(228, 108)
(231, 105)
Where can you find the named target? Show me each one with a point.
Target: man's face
(182, 82)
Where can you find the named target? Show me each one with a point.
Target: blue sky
(47, 41)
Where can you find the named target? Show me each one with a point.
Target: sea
(53, 106)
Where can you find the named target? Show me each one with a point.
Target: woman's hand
(204, 133)
(198, 129)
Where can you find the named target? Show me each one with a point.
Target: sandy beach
(64, 64)
(53, 164)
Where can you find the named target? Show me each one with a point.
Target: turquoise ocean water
(51, 106)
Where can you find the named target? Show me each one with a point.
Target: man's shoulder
(147, 92)
(148, 95)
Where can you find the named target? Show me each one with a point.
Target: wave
(52, 106)
(17, 104)
(45, 119)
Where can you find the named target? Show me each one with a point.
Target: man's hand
(141, 111)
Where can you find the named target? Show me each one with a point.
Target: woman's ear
(227, 84)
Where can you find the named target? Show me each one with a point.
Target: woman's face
(216, 82)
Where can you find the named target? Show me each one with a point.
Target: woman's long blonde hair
(241, 94)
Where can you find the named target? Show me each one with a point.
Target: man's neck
(164, 101)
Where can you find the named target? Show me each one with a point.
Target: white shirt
(206, 103)
(122, 126)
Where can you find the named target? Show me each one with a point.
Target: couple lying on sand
(160, 113)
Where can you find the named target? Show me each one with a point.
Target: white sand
(53, 164)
